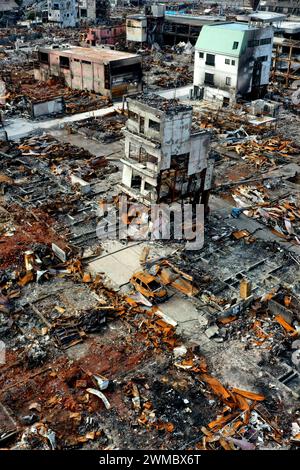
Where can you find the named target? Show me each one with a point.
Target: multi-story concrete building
(111, 73)
(164, 160)
(106, 34)
(62, 13)
(291, 7)
(232, 60)
(91, 10)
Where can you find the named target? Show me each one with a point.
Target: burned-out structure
(62, 13)
(232, 61)
(164, 160)
(111, 73)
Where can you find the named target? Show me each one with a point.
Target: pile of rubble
(106, 129)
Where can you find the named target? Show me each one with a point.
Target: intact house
(164, 160)
(110, 73)
(232, 61)
(62, 13)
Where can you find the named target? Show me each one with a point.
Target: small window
(262, 58)
(210, 59)
(235, 45)
(64, 62)
(154, 125)
(201, 55)
(209, 79)
(86, 62)
(264, 41)
(227, 61)
(233, 62)
(228, 81)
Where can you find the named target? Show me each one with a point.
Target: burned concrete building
(62, 13)
(232, 61)
(164, 160)
(111, 73)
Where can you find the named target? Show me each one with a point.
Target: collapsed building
(111, 73)
(164, 160)
(232, 61)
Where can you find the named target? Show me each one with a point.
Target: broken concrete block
(212, 331)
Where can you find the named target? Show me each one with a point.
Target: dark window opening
(86, 62)
(44, 57)
(227, 61)
(201, 55)
(64, 62)
(154, 125)
(55, 6)
(180, 161)
(262, 58)
(228, 81)
(136, 182)
(253, 43)
(153, 285)
(235, 45)
(142, 124)
(210, 59)
(133, 116)
(209, 79)
(264, 41)
(226, 102)
(83, 13)
(148, 186)
(233, 62)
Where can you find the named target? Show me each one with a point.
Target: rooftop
(94, 54)
(165, 105)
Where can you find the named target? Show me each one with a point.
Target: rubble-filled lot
(90, 362)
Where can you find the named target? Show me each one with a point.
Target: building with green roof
(232, 61)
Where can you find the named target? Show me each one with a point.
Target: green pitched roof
(219, 38)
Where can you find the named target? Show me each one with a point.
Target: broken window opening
(180, 161)
(265, 41)
(44, 57)
(133, 116)
(154, 125)
(136, 182)
(235, 45)
(64, 62)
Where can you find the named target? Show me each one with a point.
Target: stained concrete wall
(55, 106)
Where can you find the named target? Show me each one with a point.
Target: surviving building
(232, 60)
(108, 34)
(164, 160)
(111, 73)
(62, 13)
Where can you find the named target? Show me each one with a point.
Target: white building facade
(232, 61)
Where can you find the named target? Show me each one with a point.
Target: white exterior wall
(136, 30)
(220, 70)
